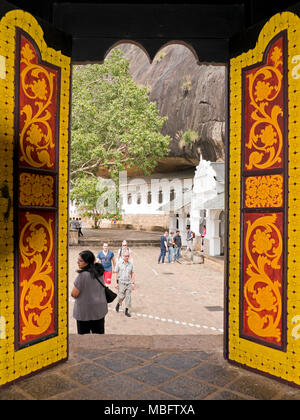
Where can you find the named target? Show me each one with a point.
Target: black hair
(95, 269)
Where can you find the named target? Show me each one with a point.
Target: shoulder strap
(100, 282)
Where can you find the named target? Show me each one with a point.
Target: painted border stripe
(187, 324)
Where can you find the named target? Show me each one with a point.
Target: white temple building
(207, 206)
(148, 202)
(175, 200)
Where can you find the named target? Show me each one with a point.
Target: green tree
(87, 191)
(84, 192)
(114, 126)
(113, 123)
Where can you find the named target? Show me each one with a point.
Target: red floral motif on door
(38, 84)
(263, 169)
(38, 103)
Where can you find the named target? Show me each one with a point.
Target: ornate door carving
(264, 219)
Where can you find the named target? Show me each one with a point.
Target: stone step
(114, 243)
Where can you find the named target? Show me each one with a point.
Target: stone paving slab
(169, 299)
(120, 368)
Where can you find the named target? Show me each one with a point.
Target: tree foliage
(84, 192)
(114, 126)
(188, 139)
(88, 191)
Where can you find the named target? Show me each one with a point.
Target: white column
(123, 190)
(212, 239)
(154, 195)
(144, 198)
(172, 225)
(182, 227)
(195, 221)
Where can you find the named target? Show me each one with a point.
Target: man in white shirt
(124, 282)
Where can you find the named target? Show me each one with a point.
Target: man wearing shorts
(106, 258)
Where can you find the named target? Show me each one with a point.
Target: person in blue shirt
(171, 247)
(163, 247)
(189, 238)
(106, 258)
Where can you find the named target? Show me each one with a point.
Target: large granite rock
(191, 95)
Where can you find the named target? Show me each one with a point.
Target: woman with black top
(90, 305)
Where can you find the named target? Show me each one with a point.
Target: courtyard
(169, 299)
(178, 317)
(170, 349)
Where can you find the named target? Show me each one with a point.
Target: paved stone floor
(145, 368)
(171, 299)
(171, 348)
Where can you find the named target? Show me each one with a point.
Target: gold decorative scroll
(265, 137)
(264, 191)
(262, 290)
(37, 286)
(36, 190)
(37, 86)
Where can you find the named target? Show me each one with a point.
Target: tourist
(203, 234)
(80, 227)
(73, 223)
(77, 225)
(106, 258)
(177, 246)
(124, 248)
(171, 247)
(90, 305)
(124, 282)
(189, 238)
(163, 247)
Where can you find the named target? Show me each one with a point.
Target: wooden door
(263, 258)
(34, 150)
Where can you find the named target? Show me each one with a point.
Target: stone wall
(150, 222)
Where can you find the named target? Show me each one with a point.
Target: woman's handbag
(110, 295)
